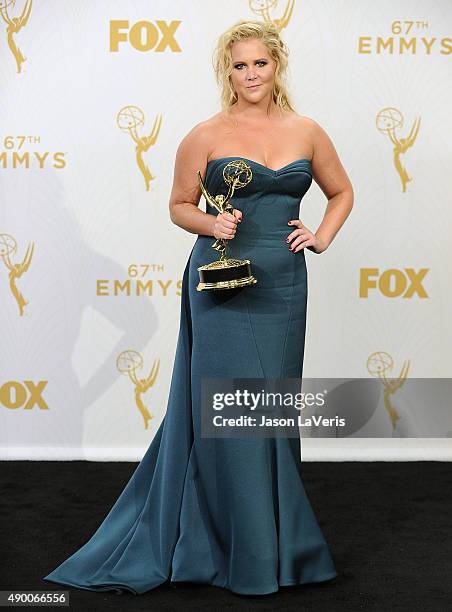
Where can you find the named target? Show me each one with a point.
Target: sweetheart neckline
(302, 159)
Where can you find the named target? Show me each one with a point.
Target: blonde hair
(266, 32)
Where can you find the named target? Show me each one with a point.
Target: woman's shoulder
(204, 129)
(198, 140)
(311, 124)
(203, 135)
(309, 128)
(304, 122)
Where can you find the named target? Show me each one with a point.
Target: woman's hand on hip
(302, 237)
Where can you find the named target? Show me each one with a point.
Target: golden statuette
(226, 273)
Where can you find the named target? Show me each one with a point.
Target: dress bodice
(292, 181)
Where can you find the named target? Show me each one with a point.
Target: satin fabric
(227, 512)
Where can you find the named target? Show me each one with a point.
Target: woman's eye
(262, 63)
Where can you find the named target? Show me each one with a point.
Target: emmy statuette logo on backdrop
(8, 246)
(129, 119)
(128, 362)
(378, 364)
(388, 120)
(15, 20)
(262, 8)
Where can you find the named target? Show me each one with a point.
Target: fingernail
(287, 240)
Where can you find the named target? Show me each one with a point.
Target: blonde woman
(231, 512)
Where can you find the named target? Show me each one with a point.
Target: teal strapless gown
(227, 512)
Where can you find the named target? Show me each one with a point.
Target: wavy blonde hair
(266, 32)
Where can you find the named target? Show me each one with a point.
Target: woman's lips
(253, 86)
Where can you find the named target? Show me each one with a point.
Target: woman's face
(253, 70)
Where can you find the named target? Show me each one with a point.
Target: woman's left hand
(302, 237)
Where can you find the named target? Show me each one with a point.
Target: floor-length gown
(227, 512)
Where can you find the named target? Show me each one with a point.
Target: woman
(225, 511)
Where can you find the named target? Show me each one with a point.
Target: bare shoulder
(316, 133)
(198, 140)
(303, 128)
(196, 136)
(209, 124)
(308, 126)
(328, 170)
(305, 121)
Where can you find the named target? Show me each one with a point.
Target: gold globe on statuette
(226, 273)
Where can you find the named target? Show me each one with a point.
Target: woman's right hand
(226, 224)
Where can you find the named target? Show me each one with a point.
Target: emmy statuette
(226, 273)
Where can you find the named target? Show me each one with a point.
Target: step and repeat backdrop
(95, 98)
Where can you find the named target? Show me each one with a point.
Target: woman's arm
(332, 179)
(191, 156)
